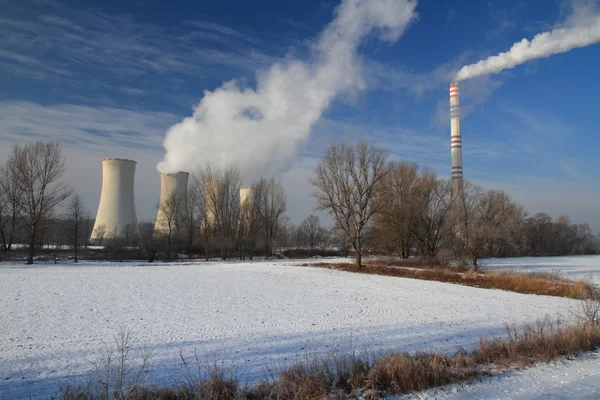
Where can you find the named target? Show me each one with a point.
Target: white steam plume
(581, 29)
(262, 130)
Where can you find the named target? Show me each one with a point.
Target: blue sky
(108, 79)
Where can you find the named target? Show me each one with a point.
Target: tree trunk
(475, 266)
(358, 249)
(31, 251)
(358, 260)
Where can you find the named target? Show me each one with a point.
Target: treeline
(377, 205)
(399, 208)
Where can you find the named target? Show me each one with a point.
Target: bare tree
(346, 181)
(482, 216)
(168, 225)
(191, 215)
(149, 241)
(392, 226)
(313, 232)
(271, 203)
(11, 198)
(40, 166)
(432, 203)
(248, 224)
(100, 234)
(75, 218)
(222, 204)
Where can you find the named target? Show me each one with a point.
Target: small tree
(191, 215)
(11, 199)
(482, 217)
(313, 232)
(148, 240)
(168, 224)
(393, 222)
(271, 203)
(75, 217)
(346, 181)
(432, 204)
(39, 166)
(222, 205)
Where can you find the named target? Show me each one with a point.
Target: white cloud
(262, 130)
(580, 29)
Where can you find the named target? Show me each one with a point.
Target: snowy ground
(55, 320)
(560, 379)
(574, 267)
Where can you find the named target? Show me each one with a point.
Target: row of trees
(397, 207)
(389, 207)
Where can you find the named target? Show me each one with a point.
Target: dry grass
(543, 341)
(404, 373)
(347, 375)
(548, 284)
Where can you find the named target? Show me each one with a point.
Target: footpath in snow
(56, 320)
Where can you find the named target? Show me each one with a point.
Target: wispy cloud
(105, 130)
(66, 41)
(88, 134)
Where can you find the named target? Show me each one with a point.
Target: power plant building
(117, 203)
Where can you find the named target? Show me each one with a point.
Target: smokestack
(117, 204)
(455, 138)
(170, 184)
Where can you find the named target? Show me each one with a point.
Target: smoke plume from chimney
(581, 29)
(263, 129)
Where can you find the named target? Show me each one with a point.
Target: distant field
(56, 319)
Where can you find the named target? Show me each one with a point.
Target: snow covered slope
(56, 319)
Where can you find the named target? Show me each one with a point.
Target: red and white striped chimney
(455, 139)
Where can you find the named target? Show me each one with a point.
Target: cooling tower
(455, 138)
(173, 192)
(117, 204)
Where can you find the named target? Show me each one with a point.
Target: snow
(560, 379)
(55, 319)
(573, 267)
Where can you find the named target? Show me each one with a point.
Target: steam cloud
(262, 130)
(581, 29)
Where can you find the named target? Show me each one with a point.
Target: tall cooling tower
(455, 138)
(172, 187)
(117, 204)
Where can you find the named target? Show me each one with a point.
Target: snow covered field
(56, 319)
(573, 267)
